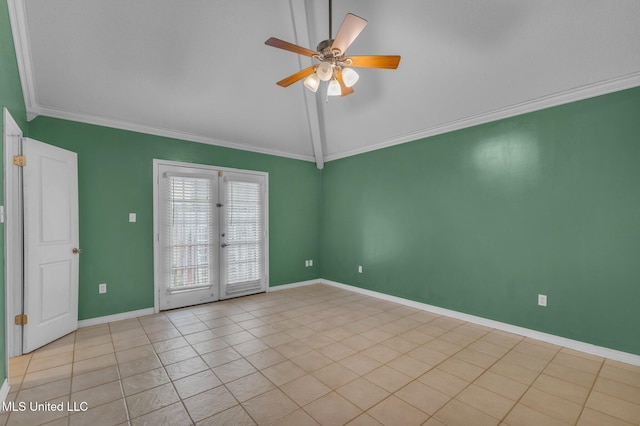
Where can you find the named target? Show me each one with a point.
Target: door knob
(76, 251)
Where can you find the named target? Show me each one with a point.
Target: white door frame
(157, 271)
(13, 242)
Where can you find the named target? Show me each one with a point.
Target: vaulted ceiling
(199, 70)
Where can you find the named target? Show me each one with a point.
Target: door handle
(223, 245)
(76, 251)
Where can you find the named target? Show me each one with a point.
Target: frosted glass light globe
(350, 77)
(312, 82)
(334, 88)
(324, 71)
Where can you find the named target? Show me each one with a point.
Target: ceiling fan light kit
(334, 67)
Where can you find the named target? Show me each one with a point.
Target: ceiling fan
(335, 66)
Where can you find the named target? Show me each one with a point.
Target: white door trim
(157, 271)
(13, 282)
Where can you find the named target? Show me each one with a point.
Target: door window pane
(190, 231)
(244, 232)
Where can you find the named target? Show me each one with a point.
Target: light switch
(542, 300)
(132, 217)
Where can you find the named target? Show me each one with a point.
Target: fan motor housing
(325, 45)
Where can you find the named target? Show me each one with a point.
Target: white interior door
(51, 237)
(211, 234)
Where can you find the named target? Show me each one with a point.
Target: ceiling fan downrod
(330, 19)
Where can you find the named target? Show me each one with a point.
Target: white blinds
(244, 234)
(189, 231)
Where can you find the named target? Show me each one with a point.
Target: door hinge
(220, 173)
(219, 205)
(21, 319)
(19, 160)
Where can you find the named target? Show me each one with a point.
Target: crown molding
(577, 94)
(561, 98)
(19, 28)
(22, 45)
(18, 19)
(151, 130)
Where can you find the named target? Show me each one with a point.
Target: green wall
(12, 99)
(115, 178)
(483, 219)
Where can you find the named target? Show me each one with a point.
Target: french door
(211, 227)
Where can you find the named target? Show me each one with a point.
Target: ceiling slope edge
(156, 131)
(19, 30)
(314, 119)
(572, 95)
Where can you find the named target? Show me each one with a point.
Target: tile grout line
(590, 390)
(433, 368)
(73, 359)
(416, 379)
(208, 367)
(529, 387)
(302, 309)
(126, 404)
(358, 376)
(470, 383)
(164, 367)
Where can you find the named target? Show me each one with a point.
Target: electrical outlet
(132, 217)
(542, 300)
(102, 288)
(360, 268)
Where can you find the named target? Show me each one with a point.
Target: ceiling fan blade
(389, 62)
(349, 30)
(285, 82)
(281, 44)
(344, 90)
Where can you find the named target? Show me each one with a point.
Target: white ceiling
(199, 69)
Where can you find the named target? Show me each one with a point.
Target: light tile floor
(316, 355)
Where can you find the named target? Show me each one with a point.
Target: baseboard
(115, 317)
(577, 345)
(4, 390)
(293, 285)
